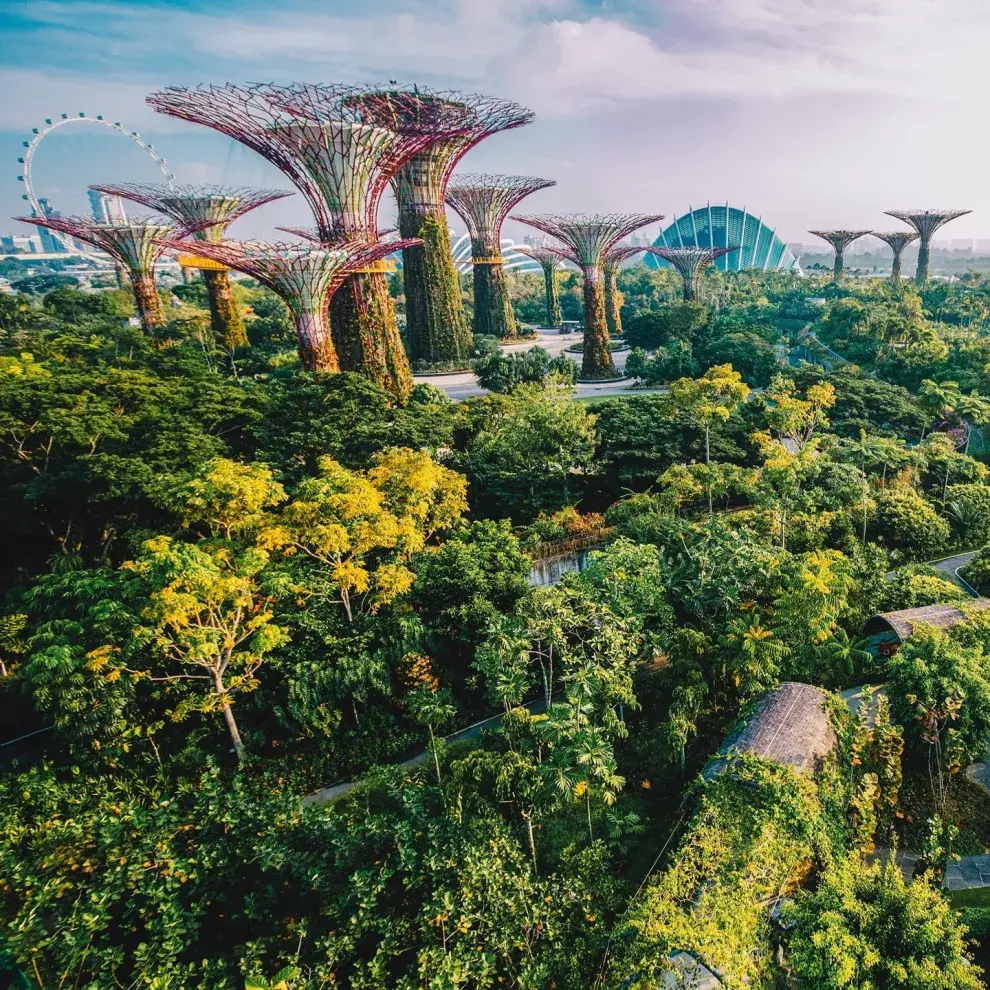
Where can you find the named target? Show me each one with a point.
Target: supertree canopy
(898, 241)
(135, 244)
(340, 153)
(587, 240)
(689, 261)
(483, 202)
(305, 276)
(436, 326)
(840, 240)
(217, 206)
(549, 260)
(925, 222)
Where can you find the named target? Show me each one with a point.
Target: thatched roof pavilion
(789, 725)
(898, 626)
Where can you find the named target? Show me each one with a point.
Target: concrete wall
(551, 569)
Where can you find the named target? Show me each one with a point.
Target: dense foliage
(230, 584)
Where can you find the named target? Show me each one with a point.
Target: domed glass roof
(721, 226)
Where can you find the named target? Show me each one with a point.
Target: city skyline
(787, 109)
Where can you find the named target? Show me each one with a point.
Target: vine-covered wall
(435, 323)
(492, 305)
(597, 362)
(147, 300)
(225, 317)
(365, 333)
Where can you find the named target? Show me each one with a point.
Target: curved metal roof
(722, 226)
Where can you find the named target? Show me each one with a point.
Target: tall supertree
(215, 208)
(925, 222)
(689, 261)
(340, 154)
(840, 240)
(134, 244)
(610, 271)
(305, 276)
(483, 202)
(587, 240)
(898, 241)
(549, 259)
(435, 322)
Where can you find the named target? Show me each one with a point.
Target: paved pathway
(463, 385)
(951, 565)
(335, 792)
(968, 872)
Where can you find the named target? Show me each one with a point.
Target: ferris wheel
(38, 134)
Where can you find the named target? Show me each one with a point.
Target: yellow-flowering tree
(363, 526)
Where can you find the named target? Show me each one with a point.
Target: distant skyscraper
(106, 208)
(50, 244)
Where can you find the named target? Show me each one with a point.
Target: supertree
(340, 154)
(898, 241)
(549, 259)
(215, 208)
(134, 244)
(610, 271)
(305, 276)
(840, 240)
(925, 222)
(435, 322)
(483, 202)
(689, 261)
(611, 262)
(587, 241)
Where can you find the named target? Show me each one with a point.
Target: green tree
(866, 927)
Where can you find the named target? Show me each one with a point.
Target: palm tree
(975, 411)
(432, 709)
(594, 754)
(938, 399)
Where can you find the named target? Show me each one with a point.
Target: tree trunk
(921, 274)
(493, 313)
(228, 714)
(895, 268)
(366, 335)
(837, 267)
(147, 300)
(225, 317)
(690, 288)
(435, 323)
(613, 306)
(597, 361)
(531, 839)
(436, 757)
(316, 350)
(554, 318)
(587, 801)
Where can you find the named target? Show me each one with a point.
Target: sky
(812, 113)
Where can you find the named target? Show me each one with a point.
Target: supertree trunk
(147, 300)
(597, 361)
(365, 333)
(316, 350)
(554, 317)
(895, 269)
(839, 264)
(436, 326)
(225, 317)
(921, 274)
(690, 288)
(613, 305)
(492, 306)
